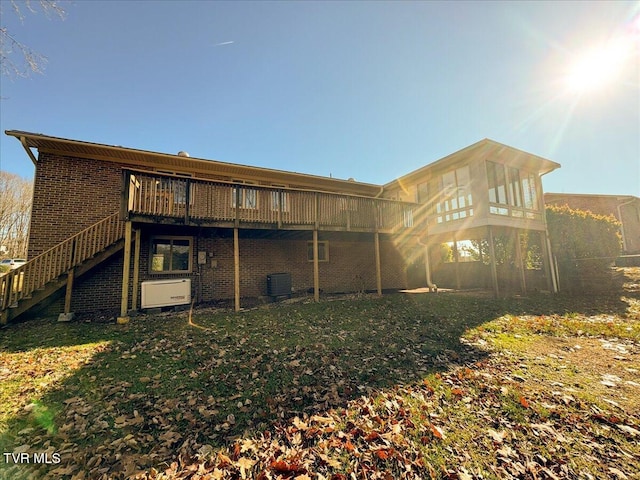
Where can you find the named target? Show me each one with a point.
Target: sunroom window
(456, 201)
(512, 191)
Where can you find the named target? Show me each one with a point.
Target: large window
(529, 191)
(512, 191)
(248, 197)
(497, 188)
(170, 255)
(456, 201)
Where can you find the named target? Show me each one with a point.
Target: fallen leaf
(618, 473)
(498, 437)
(437, 431)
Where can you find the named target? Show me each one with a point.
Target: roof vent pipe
(182, 153)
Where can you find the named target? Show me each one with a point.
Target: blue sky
(348, 89)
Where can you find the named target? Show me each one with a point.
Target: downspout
(432, 286)
(624, 237)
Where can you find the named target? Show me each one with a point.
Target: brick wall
(351, 264)
(351, 267)
(70, 194)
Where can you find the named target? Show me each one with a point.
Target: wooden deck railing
(37, 272)
(161, 197)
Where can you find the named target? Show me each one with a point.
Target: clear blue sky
(352, 89)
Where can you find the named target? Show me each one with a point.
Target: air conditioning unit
(166, 293)
(279, 284)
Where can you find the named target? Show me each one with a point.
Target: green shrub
(579, 234)
(585, 245)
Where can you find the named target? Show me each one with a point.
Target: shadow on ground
(162, 384)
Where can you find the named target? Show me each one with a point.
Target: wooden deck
(150, 197)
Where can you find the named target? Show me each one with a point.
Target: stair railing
(37, 272)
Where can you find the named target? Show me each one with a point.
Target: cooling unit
(279, 284)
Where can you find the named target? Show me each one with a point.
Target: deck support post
(552, 276)
(520, 262)
(69, 291)
(136, 271)
(316, 268)
(67, 315)
(126, 268)
(376, 243)
(236, 269)
(494, 271)
(456, 267)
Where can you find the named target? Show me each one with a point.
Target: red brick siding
(70, 194)
(351, 267)
(74, 193)
(351, 264)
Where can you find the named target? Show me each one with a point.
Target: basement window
(171, 255)
(323, 251)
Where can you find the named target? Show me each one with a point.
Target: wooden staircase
(31, 283)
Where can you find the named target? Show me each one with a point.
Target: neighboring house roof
(487, 148)
(561, 196)
(143, 158)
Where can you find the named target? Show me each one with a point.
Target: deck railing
(197, 201)
(37, 272)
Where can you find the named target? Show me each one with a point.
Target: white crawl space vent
(166, 293)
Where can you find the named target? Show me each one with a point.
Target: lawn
(443, 385)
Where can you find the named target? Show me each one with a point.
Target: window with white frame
(456, 200)
(170, 254)
(497, 181)
(512, 191)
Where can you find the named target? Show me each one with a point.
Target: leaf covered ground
(404, 386)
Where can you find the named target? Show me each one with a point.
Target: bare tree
(15, 212)
(16, 58)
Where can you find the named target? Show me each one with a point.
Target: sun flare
(599, 67)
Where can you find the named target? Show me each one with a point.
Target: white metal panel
(165, 293)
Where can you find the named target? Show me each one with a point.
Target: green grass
(428, 374)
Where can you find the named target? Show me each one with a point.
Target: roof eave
(128, 155)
